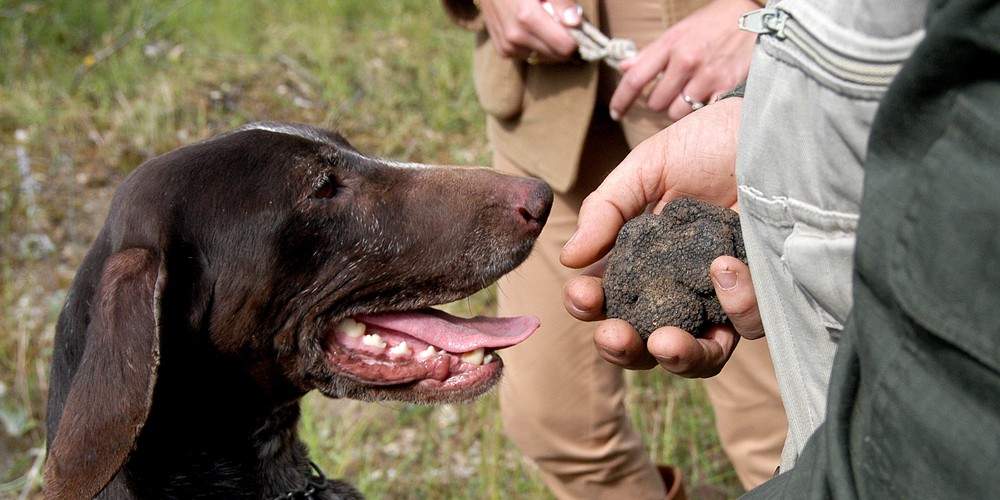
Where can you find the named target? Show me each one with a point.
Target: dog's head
(277, 259)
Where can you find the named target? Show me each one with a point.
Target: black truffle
(658, 273)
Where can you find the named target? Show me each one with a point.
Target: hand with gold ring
(531, 30)
(689, 65)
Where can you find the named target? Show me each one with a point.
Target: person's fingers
(681, 353)
(636, 182)
(637, 73)
(709, 83)
(567, 12)
(602, 215)
(546, 25)
(583, 298)
(675, 76)
(618, 343)
(694, 157)
(734, 288)
(726, 67)
(705, 85)
(685, 104)
(524, 30)
(549, 44)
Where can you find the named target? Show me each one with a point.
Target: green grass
(88, 90)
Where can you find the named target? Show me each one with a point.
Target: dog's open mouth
(427, 347)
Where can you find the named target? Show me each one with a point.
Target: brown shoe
(672, 482)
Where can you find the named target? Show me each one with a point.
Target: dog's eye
(326, 188)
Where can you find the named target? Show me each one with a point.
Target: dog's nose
(534, 207)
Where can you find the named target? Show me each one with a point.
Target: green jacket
(914, 403)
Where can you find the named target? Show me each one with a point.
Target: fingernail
(666, 360)
(580, 309)
(571, 239)
(571, 16)
(726, 279)
(612, 352)
(614, 115)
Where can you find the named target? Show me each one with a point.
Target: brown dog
(234, 275)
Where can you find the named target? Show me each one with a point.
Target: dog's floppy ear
(112, 390)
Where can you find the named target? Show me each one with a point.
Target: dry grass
(88, 90)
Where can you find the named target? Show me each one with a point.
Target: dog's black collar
(317, 483)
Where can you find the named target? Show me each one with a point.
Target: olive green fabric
(914, 402)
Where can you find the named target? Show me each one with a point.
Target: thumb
(734, 287)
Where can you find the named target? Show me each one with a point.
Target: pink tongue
(455, 334)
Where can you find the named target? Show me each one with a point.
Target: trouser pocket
(819, 254)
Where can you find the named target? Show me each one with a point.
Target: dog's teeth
(474, 357)
(352, 328)
(401, 350)
(426, 353)
(488, 359)
(374, 340)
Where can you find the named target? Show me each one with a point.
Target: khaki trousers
(561, 403)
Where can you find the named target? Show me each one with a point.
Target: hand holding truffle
(693, 158)
(672, 281)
